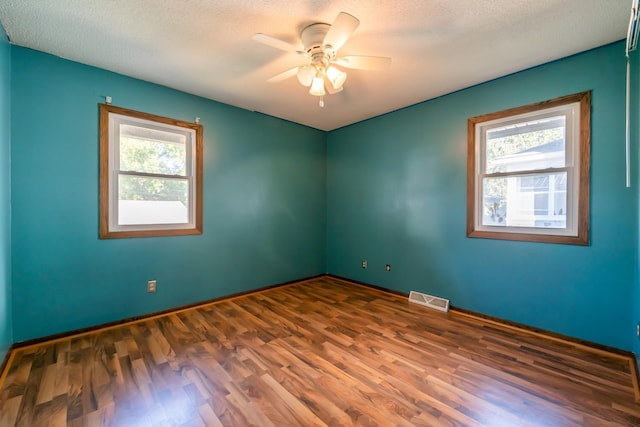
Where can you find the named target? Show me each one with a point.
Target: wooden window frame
(474, 157)
(106, 171)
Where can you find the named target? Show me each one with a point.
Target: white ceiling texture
(205, 47)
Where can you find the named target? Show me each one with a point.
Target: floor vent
(429, 300)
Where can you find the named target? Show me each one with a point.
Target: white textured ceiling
(204, 47)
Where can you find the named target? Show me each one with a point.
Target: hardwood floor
(317, 353)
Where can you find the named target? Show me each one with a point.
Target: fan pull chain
(321, 103)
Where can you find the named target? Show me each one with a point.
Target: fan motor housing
(312, 38)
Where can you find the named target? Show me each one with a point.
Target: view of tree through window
(150, 175)
(153, 157)
(498, 146)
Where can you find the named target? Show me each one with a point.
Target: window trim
(582, 192)
(105, 173)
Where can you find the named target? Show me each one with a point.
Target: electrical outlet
(388, 267)
(364, 263)
(638, 330)
(151, 286)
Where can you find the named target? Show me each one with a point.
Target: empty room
(319, 213)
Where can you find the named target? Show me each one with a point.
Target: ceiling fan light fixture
(320, 45)
(317, 86)
(336, 77)
(306, 73)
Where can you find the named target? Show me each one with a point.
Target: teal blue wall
(393, 190)
(264, 201)
(6, 325)
(635, 137)
(396, 194)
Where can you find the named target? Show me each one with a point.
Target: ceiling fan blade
(341, 30)
(284, 75)
(276, 43)
(364, 62)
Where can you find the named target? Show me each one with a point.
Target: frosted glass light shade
(306, 73)
(336, 77)
(317, 86)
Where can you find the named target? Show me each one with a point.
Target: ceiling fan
(320, 45)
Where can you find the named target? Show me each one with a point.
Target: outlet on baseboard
(151, 286)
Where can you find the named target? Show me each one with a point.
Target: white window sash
(115, 120)
(571, 112)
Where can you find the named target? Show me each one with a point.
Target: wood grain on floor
(319, 353)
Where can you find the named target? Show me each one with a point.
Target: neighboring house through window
(528, 172)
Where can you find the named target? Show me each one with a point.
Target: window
(150, 175)
(528, 172)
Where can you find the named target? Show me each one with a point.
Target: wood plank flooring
(318, 353)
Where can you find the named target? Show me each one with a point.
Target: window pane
(494, 201)
(538, 144)
(154, 151)
(528, 172)
(534, 183)
(538, 201)
(144, 200)
(150, 175)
